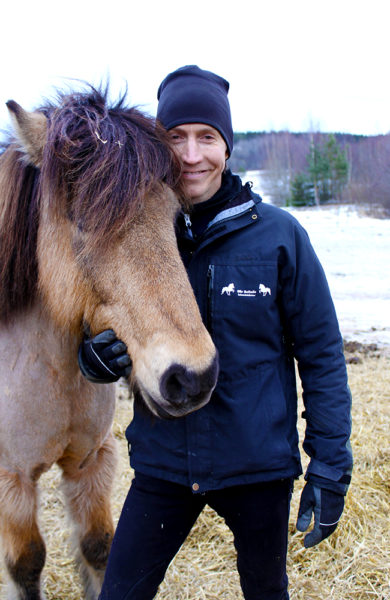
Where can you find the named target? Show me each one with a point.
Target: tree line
(317, 168)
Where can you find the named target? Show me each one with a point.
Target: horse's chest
(46, 407)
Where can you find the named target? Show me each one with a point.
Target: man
(265, 300)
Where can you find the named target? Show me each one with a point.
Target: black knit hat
(192, 95)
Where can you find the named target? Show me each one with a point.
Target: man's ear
(30, 130)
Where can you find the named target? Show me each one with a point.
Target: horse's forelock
(106, 159)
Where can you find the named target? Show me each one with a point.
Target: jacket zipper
(188, 224)
(210, 287)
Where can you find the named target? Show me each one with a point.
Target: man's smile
(195, 173)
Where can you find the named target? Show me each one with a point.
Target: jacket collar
(240, 211)
(232, 211)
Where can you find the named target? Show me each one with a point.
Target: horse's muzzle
(184, 391)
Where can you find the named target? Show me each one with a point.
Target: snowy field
(355, 252)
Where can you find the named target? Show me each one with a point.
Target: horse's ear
(30, 129)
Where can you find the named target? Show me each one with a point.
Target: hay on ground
(354, 564)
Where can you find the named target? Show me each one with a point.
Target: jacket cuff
(323, 470)
(327, 477)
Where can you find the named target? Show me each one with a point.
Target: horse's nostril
(179, 385)
(173, 389)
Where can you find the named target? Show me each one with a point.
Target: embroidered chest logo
(228, 289)
(264, 290)
(231, 289)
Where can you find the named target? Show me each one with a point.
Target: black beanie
(192, 95)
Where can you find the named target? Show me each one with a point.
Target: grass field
(354, 564)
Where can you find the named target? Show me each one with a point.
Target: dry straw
(354, 564)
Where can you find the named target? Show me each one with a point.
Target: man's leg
(155, 520)
(258, 514)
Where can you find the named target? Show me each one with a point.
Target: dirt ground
(351, 565)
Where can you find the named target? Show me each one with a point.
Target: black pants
(158, 515)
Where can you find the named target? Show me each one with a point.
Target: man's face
(202, 152)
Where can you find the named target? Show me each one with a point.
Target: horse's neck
(32, 338)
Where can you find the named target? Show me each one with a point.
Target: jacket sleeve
(313, 330)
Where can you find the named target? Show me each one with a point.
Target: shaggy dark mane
(99, 163)
(105, 159)
(19, 213)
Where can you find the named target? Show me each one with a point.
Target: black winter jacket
(264, 298)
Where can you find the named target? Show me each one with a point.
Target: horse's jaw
(152, 406)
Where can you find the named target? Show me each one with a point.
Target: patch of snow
(354, 251)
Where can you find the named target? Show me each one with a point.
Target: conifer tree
(302, 191)
(328, 170)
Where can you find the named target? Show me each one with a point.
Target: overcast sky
(292, 64)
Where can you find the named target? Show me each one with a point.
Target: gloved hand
(327, 507)
(104, 358)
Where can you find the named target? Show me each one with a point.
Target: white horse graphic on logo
(228, 289)
(264, 290)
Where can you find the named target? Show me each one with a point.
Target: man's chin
(198, 193)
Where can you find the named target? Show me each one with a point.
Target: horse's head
(107, 252)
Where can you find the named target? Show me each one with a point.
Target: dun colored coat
(87, 242)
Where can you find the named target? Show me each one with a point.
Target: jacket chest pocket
(242, 300)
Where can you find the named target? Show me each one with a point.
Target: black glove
(327, 507)
(104, 358)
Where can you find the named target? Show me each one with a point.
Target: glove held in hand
(327, 507)
(104, 358)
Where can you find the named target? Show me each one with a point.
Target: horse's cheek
(100, 317)
(64, 291)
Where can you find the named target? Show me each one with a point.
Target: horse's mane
(19, 215)
(99, 162)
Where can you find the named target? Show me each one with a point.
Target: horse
(264, 290)
(88, 201)
(228, 289)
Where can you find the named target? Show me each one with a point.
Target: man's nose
(191, 152)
